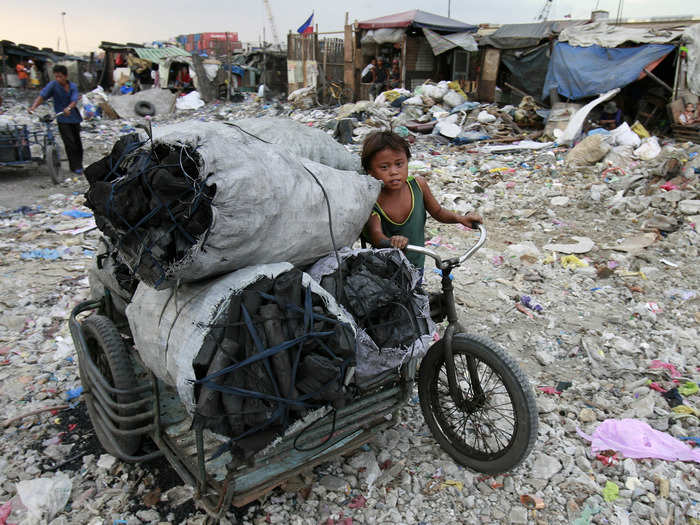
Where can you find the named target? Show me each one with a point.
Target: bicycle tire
(107, 351)
(520, 394)
(53, 164)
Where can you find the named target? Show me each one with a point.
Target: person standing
(65, 99)
(22, 74)
(380, 78)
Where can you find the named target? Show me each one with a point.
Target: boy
(400, 212)
(688, 118)
(65, 98)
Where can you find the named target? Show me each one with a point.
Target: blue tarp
(578, 72)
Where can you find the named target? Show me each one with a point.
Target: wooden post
(403, 62)
(4, 65)
(349, 58)
(228, 69)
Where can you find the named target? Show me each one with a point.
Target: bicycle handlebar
(456, 261)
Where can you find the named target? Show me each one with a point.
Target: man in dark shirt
(380, 78)
(65, 98)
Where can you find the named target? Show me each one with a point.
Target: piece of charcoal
(210, 408)
(281, 364)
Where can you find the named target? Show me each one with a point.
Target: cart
(16, 145)
(457, 385)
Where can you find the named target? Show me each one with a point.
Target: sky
(88, 22)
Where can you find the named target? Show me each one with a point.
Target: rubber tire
(515, 382)
(144, 109)
(53, 164)
(100, 330)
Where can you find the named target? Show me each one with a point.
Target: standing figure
(65, 99)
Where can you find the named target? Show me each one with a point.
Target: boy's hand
(471, 219)
(398, 241)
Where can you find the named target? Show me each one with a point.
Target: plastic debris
(688, 388)
(611, 491)
(45, 497)
(532, 502)
(571, 262)
(636, 439)
(673, 371)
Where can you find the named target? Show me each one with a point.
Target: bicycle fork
(452, 327)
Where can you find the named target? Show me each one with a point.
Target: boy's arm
(376, 235)
(440, 214)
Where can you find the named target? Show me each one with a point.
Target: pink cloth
(636, 439)
(668, 366)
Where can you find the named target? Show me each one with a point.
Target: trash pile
(589, 280)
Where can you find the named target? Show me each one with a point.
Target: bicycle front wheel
(493, 428)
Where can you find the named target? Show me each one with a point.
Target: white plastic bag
(436, 92)
(44, 497)
(485, 117)
(573, 128)
(413, 101)
(624, 136)
(650, 149)
(453, 99)
(190, 101)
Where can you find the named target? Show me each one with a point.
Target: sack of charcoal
(201, 199)
(380, 290)
(251, 352)
(303, 141)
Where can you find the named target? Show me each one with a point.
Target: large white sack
(169, 326)
(304, 141)
(573, 128)
(267, 208)
(624, 136)
(650, 149)
(453, 99)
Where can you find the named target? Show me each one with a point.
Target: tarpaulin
(578, 72)
(442, 43)
(691, 39)
(528, 68)
(605, 34)
(519, 36)
(417, 18)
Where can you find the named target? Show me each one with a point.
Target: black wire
(309, 427)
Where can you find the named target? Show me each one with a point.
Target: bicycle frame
(453, 324)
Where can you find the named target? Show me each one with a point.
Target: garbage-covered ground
(605, 327)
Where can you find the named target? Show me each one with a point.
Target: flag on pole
(306, 27)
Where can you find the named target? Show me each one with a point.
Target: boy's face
(60, 78)
(689, 107)
(391, 167)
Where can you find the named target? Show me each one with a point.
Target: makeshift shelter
(647, 60)
(140, 60)
(524, 50)
(44, 59)
(428, 46)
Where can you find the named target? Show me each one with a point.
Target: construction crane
(544, 12)
(271, 21)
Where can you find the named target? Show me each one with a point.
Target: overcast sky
(88, 22)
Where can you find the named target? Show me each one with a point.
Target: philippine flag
(306, 27)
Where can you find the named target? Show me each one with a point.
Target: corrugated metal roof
(154, 54)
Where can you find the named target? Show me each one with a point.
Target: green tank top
(414, 225)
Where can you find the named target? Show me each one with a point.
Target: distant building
(210, 44)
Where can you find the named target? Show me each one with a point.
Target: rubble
(601, 328)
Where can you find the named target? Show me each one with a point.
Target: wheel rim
(483, 427)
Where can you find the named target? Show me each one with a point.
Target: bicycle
(458, 385)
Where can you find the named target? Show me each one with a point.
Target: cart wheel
(490, 433)
(107, 351)
(53, 164)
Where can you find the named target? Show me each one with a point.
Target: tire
(144, 109)
(492, 359)
(53, 164)
(107, 351)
